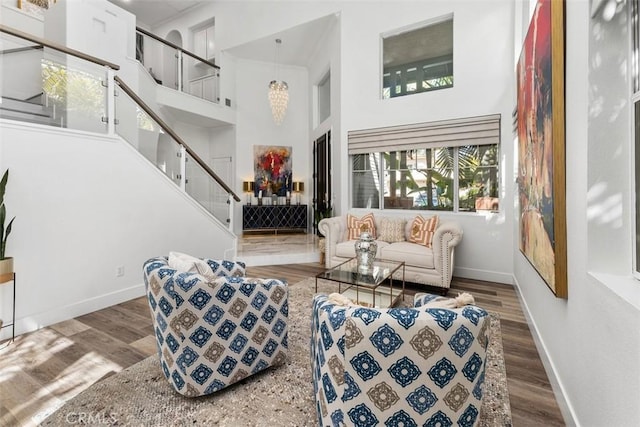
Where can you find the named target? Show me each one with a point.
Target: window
(449, 165)
(366, 180)
(418, 60)
(324, 98)
(459, 179)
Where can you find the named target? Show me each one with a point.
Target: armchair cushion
(211, 334)
(397, 366)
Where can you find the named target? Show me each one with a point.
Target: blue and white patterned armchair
(421, 366)
(213, 332)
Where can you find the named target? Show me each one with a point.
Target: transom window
(418, 60)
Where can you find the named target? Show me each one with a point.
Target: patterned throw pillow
(423, 229)
(392, 230)
(356, 225)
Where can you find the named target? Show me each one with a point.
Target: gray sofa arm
(333, 230)
(447, 236)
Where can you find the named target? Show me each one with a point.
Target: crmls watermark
(90, 418)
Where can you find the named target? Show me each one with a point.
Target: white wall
(18, 19)
(483, 84)
(84, 205)
(255, 125)
(95, 27)
(589, 342)
(20, 73)
(484, 81)
(327, 58)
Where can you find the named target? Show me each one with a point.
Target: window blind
(479, 130)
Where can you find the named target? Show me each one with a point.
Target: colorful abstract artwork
(272, 170)
(541, 164)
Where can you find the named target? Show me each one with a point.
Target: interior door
(322, 207)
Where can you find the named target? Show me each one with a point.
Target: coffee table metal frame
(365, 281)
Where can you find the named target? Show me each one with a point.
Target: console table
(274, 218)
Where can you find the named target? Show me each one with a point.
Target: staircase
(30, 110)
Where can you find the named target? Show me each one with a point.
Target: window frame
(455, 209)
(432, 61)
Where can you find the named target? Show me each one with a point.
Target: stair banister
(180, 141)
(175, 46)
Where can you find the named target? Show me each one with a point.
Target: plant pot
(6, 268)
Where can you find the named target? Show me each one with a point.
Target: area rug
(280, 396)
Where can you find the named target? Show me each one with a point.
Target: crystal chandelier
(278, 93)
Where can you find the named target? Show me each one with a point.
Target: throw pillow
(190, 264)
(423, 229)
(339, 299)
(391, 230)
(435, 301)
(356, 225)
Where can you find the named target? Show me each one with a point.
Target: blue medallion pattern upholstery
(213, 333)
(420, 366)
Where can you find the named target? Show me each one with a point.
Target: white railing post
(179, 71)
(183, 168)
(111, 102)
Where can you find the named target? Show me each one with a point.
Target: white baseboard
(558, 390)
(489, 276)
(59, 314)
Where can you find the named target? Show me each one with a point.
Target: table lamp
(298, 187)
(247, 187)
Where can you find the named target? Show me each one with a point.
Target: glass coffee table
(366, 287)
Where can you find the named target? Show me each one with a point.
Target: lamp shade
(298, 186)
(247, 186)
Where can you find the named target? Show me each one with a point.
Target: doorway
(322, 206)
(171, 62)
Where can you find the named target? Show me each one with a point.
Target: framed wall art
(272, 170)
(541, 146)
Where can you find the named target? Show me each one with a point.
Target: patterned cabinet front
(273, 218)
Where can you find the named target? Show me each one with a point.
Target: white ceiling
(298, 43)
(156, 12)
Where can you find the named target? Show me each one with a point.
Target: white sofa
(429, 266)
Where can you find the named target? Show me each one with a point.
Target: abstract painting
(541, 146)
(272, 170)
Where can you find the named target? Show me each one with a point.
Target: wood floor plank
(60, 361)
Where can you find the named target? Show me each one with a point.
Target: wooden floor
(41, 370)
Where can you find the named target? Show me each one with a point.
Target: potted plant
(6, 263)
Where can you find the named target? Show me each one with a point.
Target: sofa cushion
(411, 253)
(347, 248)
(423, 229)
(391, 229)
(356, 225)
